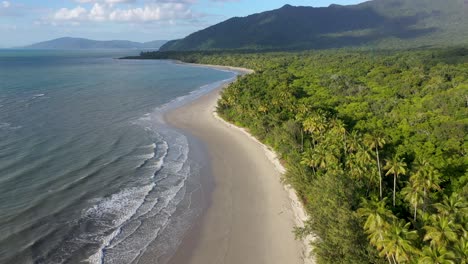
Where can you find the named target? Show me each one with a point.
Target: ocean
(89, 171)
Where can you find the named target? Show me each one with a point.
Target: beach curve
(251, 214)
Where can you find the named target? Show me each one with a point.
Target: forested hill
(81, 43)
(378, 23)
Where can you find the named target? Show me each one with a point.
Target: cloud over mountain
(108, 10)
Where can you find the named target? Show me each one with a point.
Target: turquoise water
(88, 171)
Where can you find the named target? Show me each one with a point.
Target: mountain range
(377, 24)
(68, 43)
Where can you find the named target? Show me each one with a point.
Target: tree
(412, 194)
(378, 219)
(396, 167)
(312, 108)
(376, 142)
(354, 169)
(427, 177)
(441, 231)
(455, 206)
(338, 128)
(461, 249)
(354, 142)
(436, 255)
(301, 110)
(315, 125)
(398, 242)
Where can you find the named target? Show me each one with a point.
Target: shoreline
(238, 70)
(300, 215)
(191, 250)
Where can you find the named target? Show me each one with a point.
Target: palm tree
(363, 159)
(301, 110)
(378, 219)
(376, 213)
(315, 125)
(317, 158)
(309, 160)
(461, 249)
(339, 129)
(354, 142)
(441, 231)
(427, 177)
(436, 255)
(396, 167)
(398, 242)
(354, 169)
(454, 206)
(376, 142)
(412, 194)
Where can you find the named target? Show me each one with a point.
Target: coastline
(240, 71)
(279, 208)
(300, 214)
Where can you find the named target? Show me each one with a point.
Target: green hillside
(378, 23)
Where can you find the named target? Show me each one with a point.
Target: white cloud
(119, 1)
(102, 12)
(167, 11)
(6, 4)
(98, 13)
(76, 13)
(177, 1)
(105, 1)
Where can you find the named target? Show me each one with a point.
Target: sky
(24, 22)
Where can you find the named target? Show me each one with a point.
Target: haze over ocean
(86, 165)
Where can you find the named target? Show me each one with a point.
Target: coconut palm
(315, 125)
(455, 206)
(376, 142)
(413, 193)
(354, 142)
(377, 220)
(441, 231)
(301, 111)
(397, 244)
(363, 157)
(308, 159)
(436, 255)
(396, 167)
(461, 249)
(427, 177)
(338, 128)
(355, 171)
(317, 158)
(320, 154)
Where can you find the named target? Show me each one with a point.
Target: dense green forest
(377, 23)
(375, 144)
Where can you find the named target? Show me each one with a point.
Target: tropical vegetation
(375, 144)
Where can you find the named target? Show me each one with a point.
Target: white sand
(252, 214)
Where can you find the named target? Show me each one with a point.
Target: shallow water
(88, 170)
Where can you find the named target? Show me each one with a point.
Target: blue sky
(27, 21)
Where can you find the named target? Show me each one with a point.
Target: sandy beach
(250, 218)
